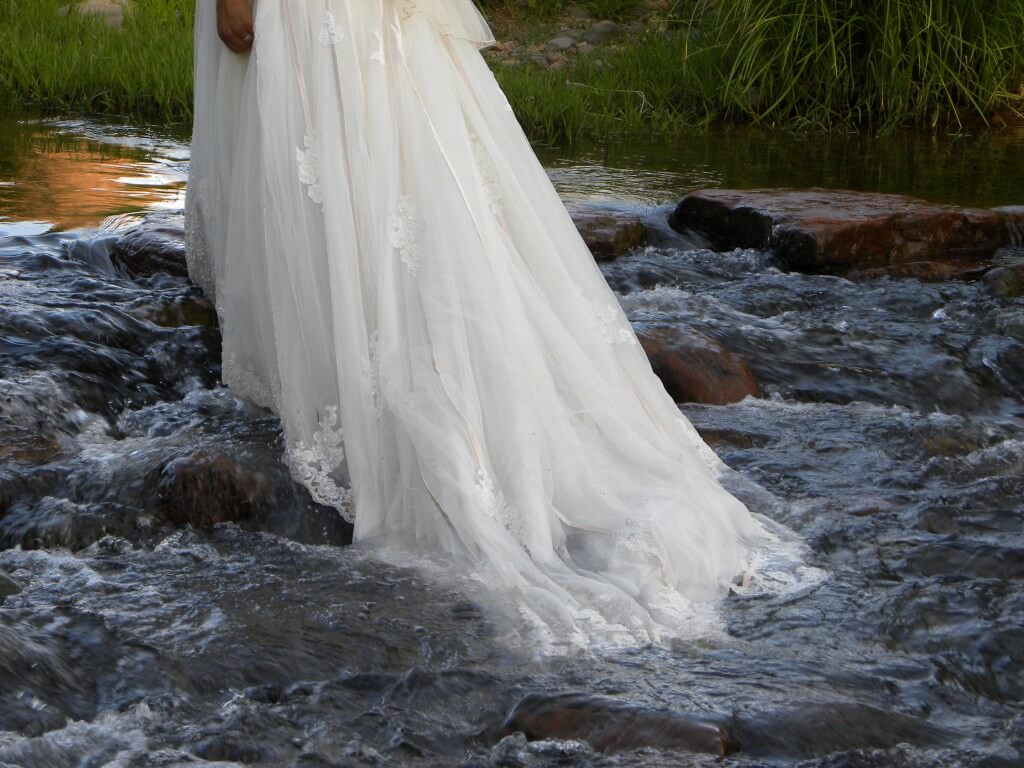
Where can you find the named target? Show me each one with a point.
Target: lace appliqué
(309, 167)
(330, 32)
(610, 325)
(703, 449)
(638, 538)
(496, 505)
(405, 229)
(371, 372)
(488, 175)
(313, 463)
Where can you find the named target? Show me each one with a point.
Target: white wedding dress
(397, 278)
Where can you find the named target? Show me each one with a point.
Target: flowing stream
(133, 633)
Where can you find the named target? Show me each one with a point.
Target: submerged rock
(205, 488)
(21, 444)
(610, 725)
(609, 234)
(8, 586)
(1005, 281)
(824, 230)
(818, 729)
(250, 487)
(695, 368)
(926, 271)
(156, 244)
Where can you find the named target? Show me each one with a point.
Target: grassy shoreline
(678, 64)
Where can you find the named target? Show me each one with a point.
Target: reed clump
(883, 63)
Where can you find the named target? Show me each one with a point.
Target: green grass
(650, 86)
(810, 64)
(71, 62)
(883, 63)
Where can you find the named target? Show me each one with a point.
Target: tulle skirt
(397, 278)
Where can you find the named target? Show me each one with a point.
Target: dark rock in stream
(23, 444)
(156, 244)
(207, 487)
(609, 234)
(695, 368)
(926, 271)
(824, 230)
(8, 586)
(610, 725)
(819, 729)
(204, 488)
(1005, 281)
(808, 730)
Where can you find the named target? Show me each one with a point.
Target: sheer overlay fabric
(397, 278)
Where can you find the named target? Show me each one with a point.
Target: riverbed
(889, 434)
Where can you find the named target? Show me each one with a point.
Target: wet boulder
(8, 586)
(180, 312)
(821, 728)
(1005, 282)
(22, 444)
(609, 234)
(205, 488)
(252, 488)
(155, 244)
(695, 368)
(49, 522)
(609, 725)
(834, 231)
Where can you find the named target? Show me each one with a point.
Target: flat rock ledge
(609, 234)
(841, 231)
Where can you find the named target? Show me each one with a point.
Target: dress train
(397, 278)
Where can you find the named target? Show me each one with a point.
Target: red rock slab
(609, 234)
(695, 368)
(825, 230)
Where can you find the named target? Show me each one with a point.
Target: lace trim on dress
(313, 463)
(706, 453)
(638, 538)
(309, 167)
(496, 505)
(405, 228)
(611, 325)
(330, 32)
(371, 372)
(489, 179)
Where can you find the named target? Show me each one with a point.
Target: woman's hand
(234, 24)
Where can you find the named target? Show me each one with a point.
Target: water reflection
(69, 173)
(976, 170)
(66, 174)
